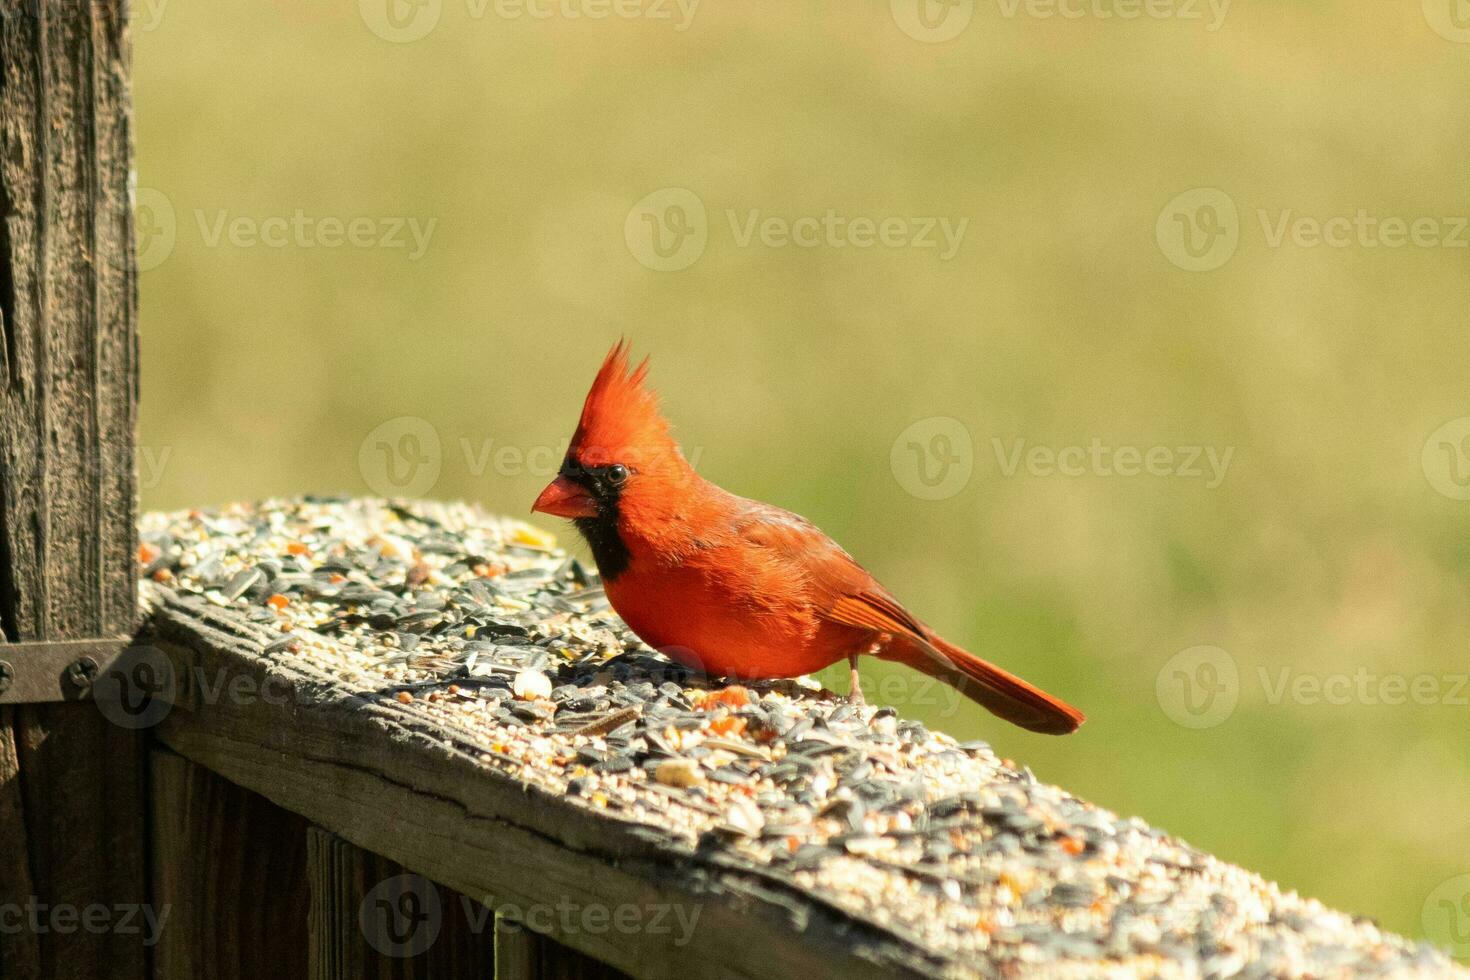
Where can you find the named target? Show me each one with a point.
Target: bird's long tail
(998, 691)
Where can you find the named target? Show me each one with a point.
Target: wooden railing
(477, 745)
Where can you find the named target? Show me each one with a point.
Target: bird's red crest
(621, 418)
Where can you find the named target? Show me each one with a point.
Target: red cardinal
(734, 587)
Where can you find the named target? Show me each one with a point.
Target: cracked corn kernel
(533, 537)
(727, 726)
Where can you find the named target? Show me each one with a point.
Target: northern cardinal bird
(734, 587)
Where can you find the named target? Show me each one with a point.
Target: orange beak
(563, 498)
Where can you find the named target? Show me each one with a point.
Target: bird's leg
(855, 689)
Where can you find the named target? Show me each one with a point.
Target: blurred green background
(547, 151)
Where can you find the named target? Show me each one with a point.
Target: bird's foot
(855, 684)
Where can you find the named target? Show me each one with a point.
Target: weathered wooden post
(72, 804)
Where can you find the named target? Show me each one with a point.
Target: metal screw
(7, 676)
(82, 671)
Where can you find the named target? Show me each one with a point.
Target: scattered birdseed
(478, 626)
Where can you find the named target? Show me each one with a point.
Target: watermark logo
(142, 687)
(833, 230)
(1201, 687)
(1179, 10)
(306, 231)
(1446, 459)
(1365, 687)
(1198, 687)
(1450, 19)
(157, 230)
(64, 919)
(401, 458)
(1446, 916)
(138, 689)
(1361, 229)
(401, 916)
(933, 458)
(932, 21)
(1209, 464)
(400, 21)
(152, 463)
(567, 918)
(667, 230)
(146, 15)
(679, 12)
(404, 21)
(1199, 230)
(406, 457)
(156, 226)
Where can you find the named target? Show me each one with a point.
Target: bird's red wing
(843, 591)
(875, 612)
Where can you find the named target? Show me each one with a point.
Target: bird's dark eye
(617, 474)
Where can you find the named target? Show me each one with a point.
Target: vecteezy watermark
(1207, 463)
(1450, 19)
(913, 691)
(143, 685)
(932, 21)
(669, 229)
(403, 21)
(152, 462)
(404, 457)
(936, 21)
(568, 918)
(1198, 687)
(1201, 687)
(1363, 686)
(64, 919)
(1210, 12)
(933, 458)
(308, 231)
(1446, 459)
(1200, 230)
(1446, 916)
(138, 689)
(1362, 229)
(403, 915)
(146, 15)
(157, 228)
(149, 466)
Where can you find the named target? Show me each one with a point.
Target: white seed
(531, 685)
(745, 817)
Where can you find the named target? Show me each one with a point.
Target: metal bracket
(54, 670)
